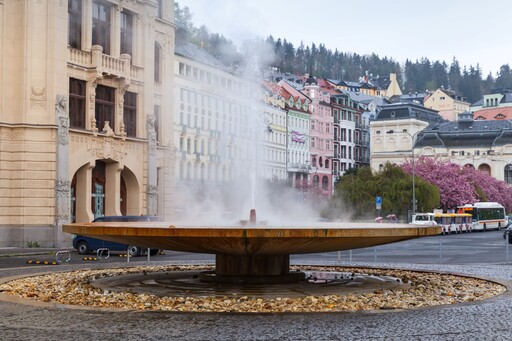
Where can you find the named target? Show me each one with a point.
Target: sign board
(378, 202)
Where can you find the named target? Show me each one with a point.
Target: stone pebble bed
(423, 289)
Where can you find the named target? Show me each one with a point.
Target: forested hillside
(413, 75)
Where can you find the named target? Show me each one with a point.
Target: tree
(454, 75)
(357, 191)
(460, 185)
(471, 83)
(504, 79)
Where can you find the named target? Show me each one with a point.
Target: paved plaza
(484, 320)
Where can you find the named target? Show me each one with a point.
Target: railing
(136, 73)
(214, 158)
(112, 65)
(79, 57)
(104, 63)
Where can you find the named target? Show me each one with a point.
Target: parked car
(508, 231)
(508, 221)
(85, 245)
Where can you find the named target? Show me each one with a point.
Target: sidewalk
(29, 251)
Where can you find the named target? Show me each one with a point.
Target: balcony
(214, 158)
(104, 64)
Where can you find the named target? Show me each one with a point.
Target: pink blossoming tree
(460, 185)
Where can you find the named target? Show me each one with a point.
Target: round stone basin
(252, 254)
(253, 240)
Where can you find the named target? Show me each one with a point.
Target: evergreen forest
(320, 61)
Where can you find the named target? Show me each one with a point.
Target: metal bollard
(506, 244)
(440, 249)
(100, 252)
(58, 256)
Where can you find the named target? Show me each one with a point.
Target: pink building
(321, 136)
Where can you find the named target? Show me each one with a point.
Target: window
(508, 174)
(130, 113)
(105, 104)
(76, 103)
(75, 23)
(157, 62)
(315, 181)
(325, 182)
(101, 26)
(159, 8)
(126, 33)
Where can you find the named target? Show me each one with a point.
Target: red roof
(501, 113)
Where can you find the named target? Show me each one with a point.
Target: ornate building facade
(85, 128)
(402, 131)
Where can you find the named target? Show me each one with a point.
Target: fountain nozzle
(252, 217)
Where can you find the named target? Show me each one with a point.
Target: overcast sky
(473, 31)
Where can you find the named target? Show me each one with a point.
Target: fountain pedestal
(252, 269)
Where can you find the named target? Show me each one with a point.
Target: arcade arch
(104, 187)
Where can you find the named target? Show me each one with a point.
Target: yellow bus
(454, 222)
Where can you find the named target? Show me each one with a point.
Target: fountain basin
(246, 254)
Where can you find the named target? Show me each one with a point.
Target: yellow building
(85, 129)
(447, 103)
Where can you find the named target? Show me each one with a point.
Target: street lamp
(413, 136)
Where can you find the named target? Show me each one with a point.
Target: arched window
(325, 182)
(508, 173)
(485, 168)
(315, 181)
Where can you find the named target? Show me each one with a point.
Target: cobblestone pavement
(487, 320)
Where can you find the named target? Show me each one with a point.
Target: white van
(423, 219)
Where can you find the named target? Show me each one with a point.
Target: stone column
(83, 193)
(115, 31)
(62, 183)
(113, 188)
(87, 25)
(152, 190)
